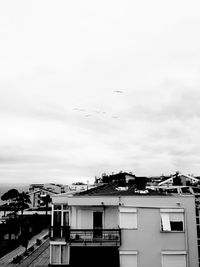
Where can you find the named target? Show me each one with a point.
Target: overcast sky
(88, 87)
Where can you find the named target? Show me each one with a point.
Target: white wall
(149, 241)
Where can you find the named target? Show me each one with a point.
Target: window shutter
(55, 254)
(165, 222)
(128, 260)
(173, 260)
(128, 218)
(64, 254)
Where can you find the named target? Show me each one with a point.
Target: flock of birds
(98, 111)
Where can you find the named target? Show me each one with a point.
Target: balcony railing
(57, 232)
(86, 235)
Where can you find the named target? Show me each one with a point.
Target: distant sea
(5, 187)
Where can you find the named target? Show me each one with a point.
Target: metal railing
(86, 235)
(59, 232)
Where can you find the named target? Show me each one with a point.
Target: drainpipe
(186, 238)
(118, 222)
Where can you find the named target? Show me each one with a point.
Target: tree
(47, 201)
(11, 198)
(17, 202)
(23, 201)
(10, 195)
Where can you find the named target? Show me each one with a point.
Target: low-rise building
(56, 188)
(121, 227)
(179, 179)
(80, 186)
(37, 197)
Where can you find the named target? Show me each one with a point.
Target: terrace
(107, 237)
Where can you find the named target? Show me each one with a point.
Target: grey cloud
(170, 102)
(100, 124)
(185, 151)
(25, 159)
(26, 154)
(169, 149)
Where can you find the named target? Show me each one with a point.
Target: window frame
(60, 253)
(128, 252)
(168, 212)
(174, 253)
(62, 210)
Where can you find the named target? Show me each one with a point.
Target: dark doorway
(94, 257)
(97, 223)
(57, 224)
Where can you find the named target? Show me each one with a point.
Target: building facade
(37, 197)
(122, 229)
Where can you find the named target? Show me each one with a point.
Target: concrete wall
(149, 241)
(93, 201)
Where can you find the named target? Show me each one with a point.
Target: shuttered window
(128, 259)
(59, 254)
(55, 254)
(64, 255)
(174, 260)
(128, 218)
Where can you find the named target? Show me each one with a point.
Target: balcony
(92, 237)
(59, 232)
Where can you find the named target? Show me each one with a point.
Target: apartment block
(115, 226)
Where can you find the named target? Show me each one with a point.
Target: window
(64, 255)
(65, 218)
(172, 220)
(57, 207)
(174, 259)
(128, 258)
(97, 223)
(55, 251)
(185, 190)
(128, 218)
(65, 207)
(60, 220)
(60, 215)
(59, 254)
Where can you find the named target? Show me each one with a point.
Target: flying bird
(115, 117)
(118, 91)
(79, 109)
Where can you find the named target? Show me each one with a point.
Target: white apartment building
(116, 227)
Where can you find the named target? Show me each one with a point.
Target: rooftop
(112, 189)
